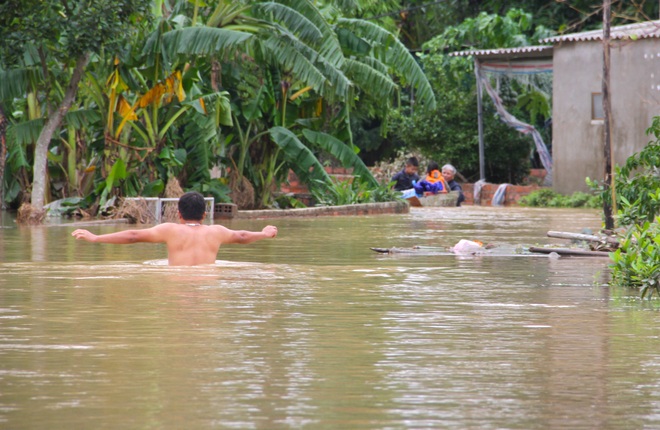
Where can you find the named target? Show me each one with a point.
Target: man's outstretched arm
(244, 236)
(153, 234)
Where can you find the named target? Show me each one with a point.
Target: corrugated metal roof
(640, 30)
(509, 53)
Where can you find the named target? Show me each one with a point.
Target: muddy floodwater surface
(314, 330)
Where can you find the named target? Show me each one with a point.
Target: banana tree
(64, 35)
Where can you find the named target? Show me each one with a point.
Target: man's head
(448, 172)
(192, 206)
(412, 165)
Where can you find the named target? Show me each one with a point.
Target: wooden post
(480, 122)
(4, 122)
(608, 209)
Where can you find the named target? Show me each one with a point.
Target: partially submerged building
(577, 112)
(577, 109)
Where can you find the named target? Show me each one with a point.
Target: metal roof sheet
(508, 53)
(640, 30)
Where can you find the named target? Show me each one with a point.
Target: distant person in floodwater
(449, 172)
(404, 179)
(433, 183)
(189, 243)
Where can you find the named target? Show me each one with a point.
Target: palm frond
(202, 40)
(198, 135)
(351, 44)
(293, 60)
(82, 117)
(288, 42)
(338, 83)
(153, 47)
(344, 153)
(375, 63)
(225, 13)
(16, 150)
(394, 54)
(26, 133)
(221, 106)
(303, 162)
(350, 6)
(294, 21)
(370, 80)
(13, 83)
(329, 48)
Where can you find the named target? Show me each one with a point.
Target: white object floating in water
(465, 246)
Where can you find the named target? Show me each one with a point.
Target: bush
(637, 262)
(545, 197)
(352, 191)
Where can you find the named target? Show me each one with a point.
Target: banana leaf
(303, 162)
(344, 153)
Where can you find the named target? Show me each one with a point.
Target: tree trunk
(607, 152)
(53, 122)
(3, 154)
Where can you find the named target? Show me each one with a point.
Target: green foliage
(68, 29)
(342, 152)
(489, 31)
(218, 189)
(285, 201)
(351, 191)
(638, 179)
(637, 262)
(547, 198)
(537, 104)
(304, 163)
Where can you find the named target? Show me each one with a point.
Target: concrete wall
(577, 143)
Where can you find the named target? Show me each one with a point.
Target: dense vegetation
(637, 262)
(100, 99)
(547, 198)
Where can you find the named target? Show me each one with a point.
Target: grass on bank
(547, 198)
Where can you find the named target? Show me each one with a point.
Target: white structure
(577, 113)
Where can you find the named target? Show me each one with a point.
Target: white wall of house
(577, 142)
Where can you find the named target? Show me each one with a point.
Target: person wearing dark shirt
(404, 179)
(449, 172)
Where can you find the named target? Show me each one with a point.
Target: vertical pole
(480, 124)
(4, 122)
(159, 211)
(608, 208)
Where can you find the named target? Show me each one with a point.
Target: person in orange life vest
(433, 183)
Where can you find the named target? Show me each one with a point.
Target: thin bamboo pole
(608, 209)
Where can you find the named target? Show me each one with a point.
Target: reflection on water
(314, 330)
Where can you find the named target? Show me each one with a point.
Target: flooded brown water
(314, 330)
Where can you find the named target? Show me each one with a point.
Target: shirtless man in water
(189, 243)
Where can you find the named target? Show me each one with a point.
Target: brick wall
(513, 192)
(512, 195)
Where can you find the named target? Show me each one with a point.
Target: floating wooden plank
(569, 251)
(439, 251)
(584, 237)
(415, 250)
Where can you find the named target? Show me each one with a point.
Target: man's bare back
(189, 243)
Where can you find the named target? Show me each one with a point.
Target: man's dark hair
(192, 206)
(432, 166)
(412, 161)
